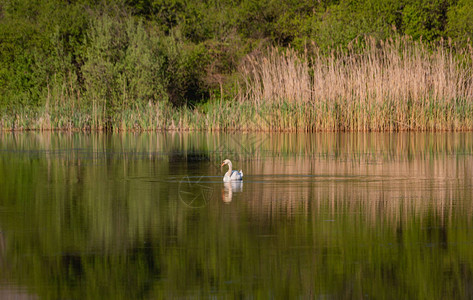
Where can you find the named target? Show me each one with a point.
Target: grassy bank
(214, 116)
(386, 86)
(244, 116)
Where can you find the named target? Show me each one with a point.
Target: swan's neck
(229, 172)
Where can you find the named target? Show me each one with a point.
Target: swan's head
(226, 162)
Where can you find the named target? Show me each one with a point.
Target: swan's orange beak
(223, 164)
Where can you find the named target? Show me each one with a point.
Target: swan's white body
(231, 174)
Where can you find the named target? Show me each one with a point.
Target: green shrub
(460, 22)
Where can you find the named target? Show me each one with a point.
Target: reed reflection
(337, 215)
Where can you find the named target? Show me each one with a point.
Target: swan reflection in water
(229, 188)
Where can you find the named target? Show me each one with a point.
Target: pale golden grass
(389, 85)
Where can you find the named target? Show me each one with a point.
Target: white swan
(231, 175)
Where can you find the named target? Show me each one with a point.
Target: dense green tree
(460, 22)
(40, 41)
(426, 19)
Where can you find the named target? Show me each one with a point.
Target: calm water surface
(147, 216)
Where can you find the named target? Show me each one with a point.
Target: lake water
(147, 216)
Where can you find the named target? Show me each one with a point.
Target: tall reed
(397, 84)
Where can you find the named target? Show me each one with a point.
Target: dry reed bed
(389, 85)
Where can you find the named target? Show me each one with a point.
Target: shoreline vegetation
(117, 70)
